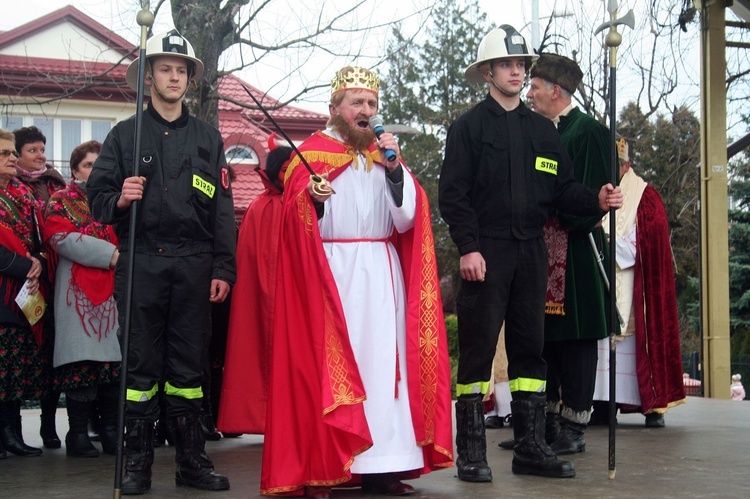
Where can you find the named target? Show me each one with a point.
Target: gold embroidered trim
(331, 160)
(428, 327)
(338, 369)
(554, 309)
(304, 211)
(319, 483)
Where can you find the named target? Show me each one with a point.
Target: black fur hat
(559, 70)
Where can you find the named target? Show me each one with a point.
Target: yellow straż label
(203, 186)
(546, 165)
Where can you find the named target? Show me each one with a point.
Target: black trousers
(571, 372)
(169, 334)
(513, 291)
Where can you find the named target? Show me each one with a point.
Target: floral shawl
(19, 232)
(68, 212)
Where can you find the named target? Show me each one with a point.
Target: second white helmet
(500, 43)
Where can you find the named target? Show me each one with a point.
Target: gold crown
(355, 77)
(622, 149)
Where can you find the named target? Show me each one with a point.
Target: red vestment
(244, 388)
(315, 441)
(658, 356)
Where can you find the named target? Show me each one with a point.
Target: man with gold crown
(359, 333)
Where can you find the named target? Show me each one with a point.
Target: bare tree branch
(278, 105)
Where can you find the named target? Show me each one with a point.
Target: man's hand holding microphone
(386, 143)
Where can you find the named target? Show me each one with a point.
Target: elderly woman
(43, 180)
(87, 352)
(20, 265)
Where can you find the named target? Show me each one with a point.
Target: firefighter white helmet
(500, 43)
(171, 44)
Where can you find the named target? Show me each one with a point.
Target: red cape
(657, 333)
(316, 422)
(246, 368)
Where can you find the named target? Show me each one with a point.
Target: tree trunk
(211, 31)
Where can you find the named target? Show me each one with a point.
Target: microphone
(376, 123)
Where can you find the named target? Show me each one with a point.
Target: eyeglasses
(8, 152)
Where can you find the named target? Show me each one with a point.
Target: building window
(242, 155)
(71, 136)
(11, 123)
(47, 127)
(100, 129)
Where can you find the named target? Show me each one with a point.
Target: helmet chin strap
(500, 89)
(155, 89)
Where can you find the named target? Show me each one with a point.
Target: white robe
(357, 220)
(627, 391)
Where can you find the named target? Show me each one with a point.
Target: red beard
(360, 140)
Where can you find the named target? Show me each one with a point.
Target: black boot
(532, 455)
(471, 444)
(493, 422)
(552, 426)
(139, 456)
(209, 428)
(3, 453)
(207, 419)
(94, 422)
(571, 439)
(77, 442)
(33, 451)
(47, 429)
(10, 416)
(551, 431)
(108, 403)
(655, 420)
(194, 467)
(163, 434)
(507, 444)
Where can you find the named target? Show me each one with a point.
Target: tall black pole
(613, 40)
(614, 325)
(145, 20)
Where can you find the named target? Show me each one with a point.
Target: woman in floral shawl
(21, 264)
(42, 180)
(87, 352)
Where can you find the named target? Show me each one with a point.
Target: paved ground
(704, 451)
